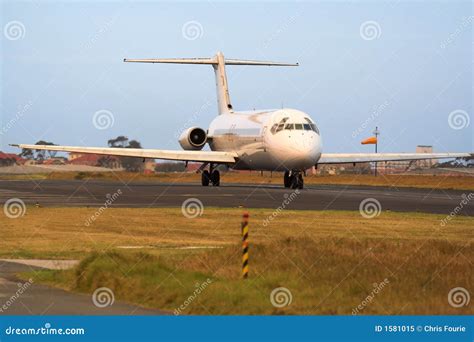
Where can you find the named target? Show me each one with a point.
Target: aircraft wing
(197, 156)
(339, 158)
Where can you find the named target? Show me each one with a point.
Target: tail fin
(218, 63)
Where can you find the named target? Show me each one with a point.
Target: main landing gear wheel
(215, 178)
(287, 179)
(299, 181)
(205, 178)
(293, 180)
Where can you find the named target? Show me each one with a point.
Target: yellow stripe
(245, 257)
(245, 269)
(246, 230)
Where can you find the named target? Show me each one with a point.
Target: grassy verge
(419, 181)
(329, 261)
(327, 276)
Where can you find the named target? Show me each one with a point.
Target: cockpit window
(309, 126)
(279, 126)
(273, 129)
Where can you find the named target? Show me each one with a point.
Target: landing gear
(215, 178)
(205, 178)
(293, 180)
(287, 179)
(212, 176)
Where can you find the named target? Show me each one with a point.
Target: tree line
(128, 163)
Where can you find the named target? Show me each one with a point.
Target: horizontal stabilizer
(207, 61)
(219, 63)
(173, 60)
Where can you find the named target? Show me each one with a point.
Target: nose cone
(305, 151)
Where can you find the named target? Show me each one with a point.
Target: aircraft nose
(306, 149)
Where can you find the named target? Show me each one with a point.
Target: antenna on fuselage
(218, 62)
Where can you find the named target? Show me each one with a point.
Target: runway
(148, 194)
(36, 299)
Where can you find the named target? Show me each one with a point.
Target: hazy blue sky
(404, 66)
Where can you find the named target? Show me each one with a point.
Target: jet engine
(193, 138)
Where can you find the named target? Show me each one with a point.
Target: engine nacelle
(193, 138)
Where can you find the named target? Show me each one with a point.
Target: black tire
(205, 177)
(294, 182)
(300, 181)
(216, 178)
(287, 179)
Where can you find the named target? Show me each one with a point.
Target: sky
(404, 66)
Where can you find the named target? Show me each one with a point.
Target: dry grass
(62, 232)
(418, 181)
(328, 260)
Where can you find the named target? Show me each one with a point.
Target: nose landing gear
(293, 179)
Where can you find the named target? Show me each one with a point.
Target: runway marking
(202, 195)
(165, 247)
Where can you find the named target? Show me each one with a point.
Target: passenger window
(289, 126)
(298, 126)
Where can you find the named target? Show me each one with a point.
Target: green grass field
(328, 261)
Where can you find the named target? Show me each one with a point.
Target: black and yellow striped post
(245, 245)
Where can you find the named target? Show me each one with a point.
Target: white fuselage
(274, 140)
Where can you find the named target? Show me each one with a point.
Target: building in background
(110, 162)
(8, 159)
(428, 162)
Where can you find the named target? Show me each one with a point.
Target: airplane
(286, 139)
